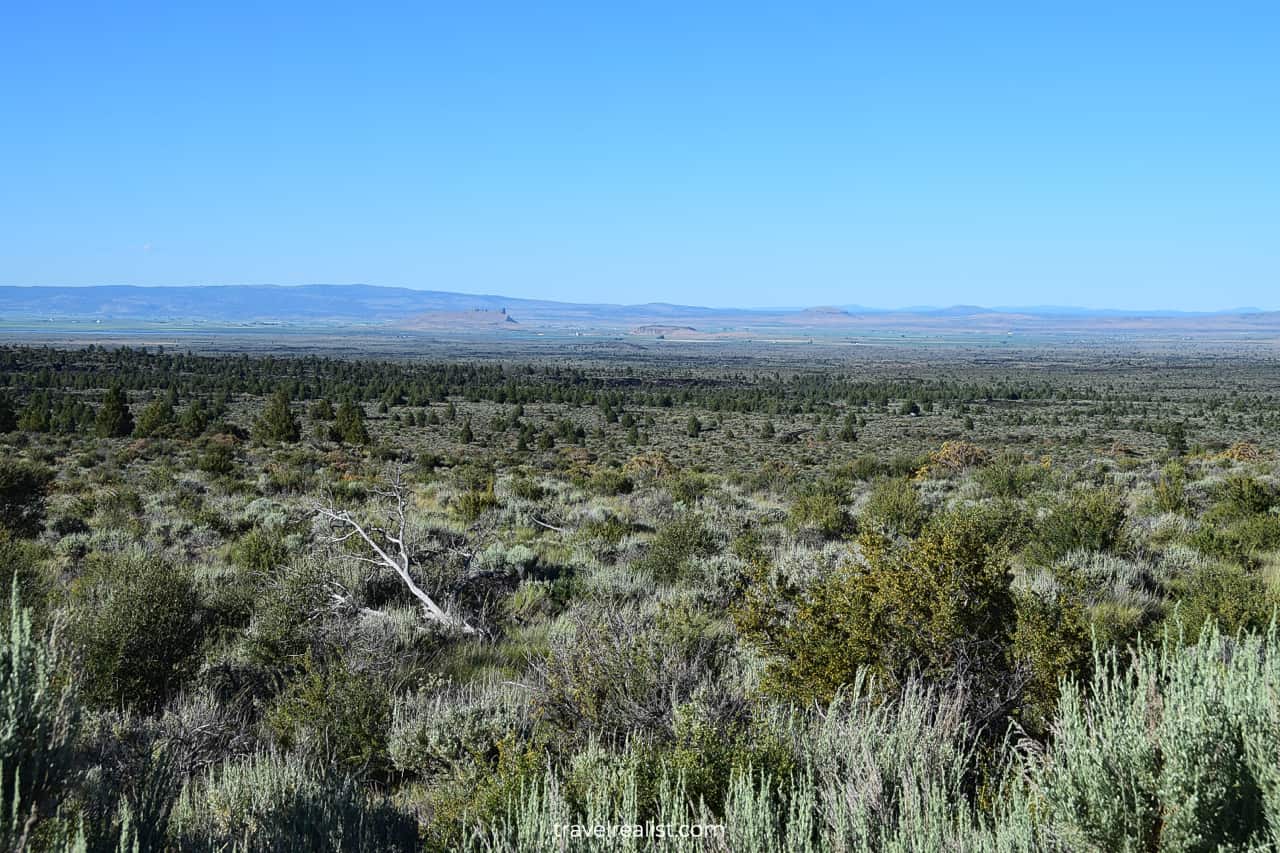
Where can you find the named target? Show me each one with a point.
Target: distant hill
(399, 308)
(654, 330)
(448, 321)
(351, 303)
(311, 303)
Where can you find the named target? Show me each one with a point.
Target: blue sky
(884, 154)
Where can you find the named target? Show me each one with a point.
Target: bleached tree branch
(396, 557)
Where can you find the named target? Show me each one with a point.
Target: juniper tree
(193, 419)
(849, 432)
(1176, 436)
(114, 419)
(277, 422)
(321, 410)
(348, 424)
(155, 418)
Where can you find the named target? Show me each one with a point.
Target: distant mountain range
(397, 308)
(311, 303)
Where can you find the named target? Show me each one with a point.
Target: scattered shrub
(22, 496)
(453, 732)
(22, 573)
(38, 727)
(281, 804)
(611, 482)
(894, 508)
(1010, 476)
(1171, 488)
(283, 622)
(675, 545)
(938, 607)
(619, 674)
(1241, 541)
(475, 502)
(1241, 496)
(1089, 519)
(137, 625)
(821, 512)
(259, 552)
(1053, 642)
(337, 717)
(1229, 596)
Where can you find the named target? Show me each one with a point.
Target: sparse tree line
(418, 384)
(158, 394)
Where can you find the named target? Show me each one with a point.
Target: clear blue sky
(1100, 154)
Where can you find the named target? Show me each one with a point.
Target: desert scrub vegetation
(264, 603)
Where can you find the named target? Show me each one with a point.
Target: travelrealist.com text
(649, 829)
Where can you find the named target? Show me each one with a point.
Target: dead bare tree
(395, 554)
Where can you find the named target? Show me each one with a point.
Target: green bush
(609, 481)
(137, 624)
(527, 488)
(22, 496)
(217, 458)
(336, 716)
(156, 420)
(1171, 488)
(1241, 541)
(1004, 523)
(260, 552)
(532, 601)
(1240, 496)
(894, 508)
(1232, 597)
(475, 502)
(1088, 519)
(194, 420)
(675, 546)
(464, 808)
(1175, 751)
(867, 467)
(863, 775)
(821, 512)
(1053, 642)
(712, 743)
(1241, 524)
(938, 607)
(282, 626)
(1010, 476)
(22, 571)
(618, 674)
(688, 486)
